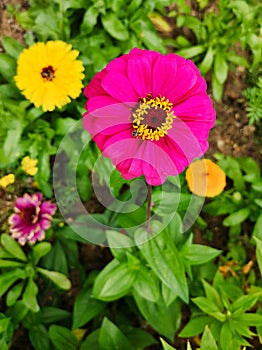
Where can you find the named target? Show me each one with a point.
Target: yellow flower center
(152, 118)
(48, 73)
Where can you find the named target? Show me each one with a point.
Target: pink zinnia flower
(149, 113)
(31, 219)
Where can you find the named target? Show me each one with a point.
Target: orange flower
(205, 178)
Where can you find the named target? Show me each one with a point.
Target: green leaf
(8, 278)
(89, 20)
(91, 341)
(139, 338)
(195, 326)
(29, 296)
(250, 167)
(191, 51)
(114, 26)
(197, 254)
(114, 281)
(119, 244)
(237, 217)
(110, 337)
(12, 46)
(62, 338)
(242, 304)
(50, 314)
(164, 319)
(212, 295)
(166, 346)
(7, 66)
(147, 284)
(250, 319)
(163, 258)
(226, 337)
(40, 250)
(14, 293)
(207, 341)
(257, 231)
(217, 88)
(85, 308)
(207, 62)
(210, 308)
(57, 278)
(39, 338)
(10, 263)
(13, 247)
(220, 67)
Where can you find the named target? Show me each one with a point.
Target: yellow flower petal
(49, 75)
(7, 180)
(29, 165)
(205, 178)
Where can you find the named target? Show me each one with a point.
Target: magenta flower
(149, 113)
(31, 219)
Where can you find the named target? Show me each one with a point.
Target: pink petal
(164, 72)
(139, 74)
(197, 107)
(119, 87)
(184, 79)
(117, 115)
(94, 87)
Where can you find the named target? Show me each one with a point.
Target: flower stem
(149, 205)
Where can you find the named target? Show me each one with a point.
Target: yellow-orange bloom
(48, 74)
(29, 165)
(7, 180)
(205, 178)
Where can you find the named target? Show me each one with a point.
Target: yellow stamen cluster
(145, 131)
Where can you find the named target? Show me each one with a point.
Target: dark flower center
(48, 73)
(152, 118)
(29, 215)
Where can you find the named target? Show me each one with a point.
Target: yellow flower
(7, 180)
(29, 165)
(48, 74)
(205, 178)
